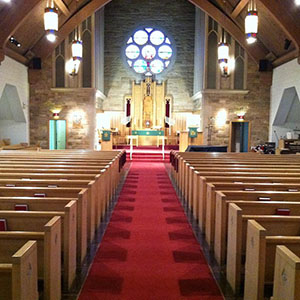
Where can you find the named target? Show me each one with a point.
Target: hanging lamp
(223, 54)
(51, 21)
(77, 51)
(251, 23)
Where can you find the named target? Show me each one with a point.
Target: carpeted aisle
(149, 250)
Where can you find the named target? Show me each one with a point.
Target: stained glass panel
(132, 51)
(157, 66)
(140, 66)
(148, 52)
(157, 37)
(165, 52)
(141, 37)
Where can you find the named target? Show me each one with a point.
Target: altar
(148, 137)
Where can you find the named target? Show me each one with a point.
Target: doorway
(57, 134)
(239, 136)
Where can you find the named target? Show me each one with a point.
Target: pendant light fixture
(223, 55)
(51, 21)
(77, 51)
(251, 23)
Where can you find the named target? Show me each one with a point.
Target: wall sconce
(72, 67)
(55, 113)
(241, 115)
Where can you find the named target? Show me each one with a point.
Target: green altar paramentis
(148, 132)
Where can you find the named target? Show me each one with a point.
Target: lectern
(183, 140)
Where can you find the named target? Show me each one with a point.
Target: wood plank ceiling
(279, 23)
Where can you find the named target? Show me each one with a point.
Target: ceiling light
(251, 23)
(51, 22)
(15, 42)
(223, 55)
(297, 2)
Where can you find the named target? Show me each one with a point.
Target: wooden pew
(200, 189)
(67, 211)
(221, 215)
(59, 193)
(18, 272)
(260, 253)
(286, 275)
(24, 226)
(238, 214)
(213, 187)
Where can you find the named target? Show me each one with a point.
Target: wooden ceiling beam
(63, 7)
(255, 51)
(237, 10)
(13, 17)
(282, 18)
(43, 48)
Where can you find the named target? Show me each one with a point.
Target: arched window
(87, 53)
(239, 72)
(60, 65)
(212, 54)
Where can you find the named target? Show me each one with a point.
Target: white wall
(14, 73)
(284, 76)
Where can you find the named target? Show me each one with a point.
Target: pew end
(286, 275)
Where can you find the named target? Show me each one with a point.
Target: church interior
(149, 149)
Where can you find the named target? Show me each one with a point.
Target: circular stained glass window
(149, 51)
(132, 51)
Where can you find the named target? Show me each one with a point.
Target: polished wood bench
(24, 226)
(18, 272)
(260, 253)
(286, 274)
(238, 214)
(221, 213)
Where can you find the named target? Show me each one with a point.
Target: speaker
(37, 63)
(265, 65)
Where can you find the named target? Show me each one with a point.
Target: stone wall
(177, 18)
(256, 104)
(74, 104)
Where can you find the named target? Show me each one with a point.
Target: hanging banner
(106, 135)
(193, 133)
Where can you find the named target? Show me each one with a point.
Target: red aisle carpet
(149, 250)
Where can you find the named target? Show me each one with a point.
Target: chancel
(149, 149)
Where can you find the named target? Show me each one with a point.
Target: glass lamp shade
(51, 19)
(251, 26)
(223, 53)
(77, 50)
(72, 66)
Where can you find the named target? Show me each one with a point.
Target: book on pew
(21, 207)
(40, 195)
(3, 226)
(283, 211)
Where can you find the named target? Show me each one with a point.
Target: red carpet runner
(149, 251)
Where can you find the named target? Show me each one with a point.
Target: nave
(149, 250)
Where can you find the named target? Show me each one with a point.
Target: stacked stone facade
(177, 19)
(43, 99)
(256, 104)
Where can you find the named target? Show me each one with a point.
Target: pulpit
(183, 140)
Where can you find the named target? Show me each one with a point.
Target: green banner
(193, 133)
(106, 135)
(148, 132)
